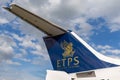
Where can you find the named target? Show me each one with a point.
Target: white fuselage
(102, 74)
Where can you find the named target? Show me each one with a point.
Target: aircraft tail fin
(67, 51)
(71, 54)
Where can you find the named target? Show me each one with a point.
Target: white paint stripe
(97, 54)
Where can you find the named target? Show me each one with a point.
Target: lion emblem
(68, 49)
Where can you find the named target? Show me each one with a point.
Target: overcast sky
(23, 55)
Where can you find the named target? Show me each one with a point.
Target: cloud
(2, 21)
(6, 50)
(69, 13)
(104, 47)
(115, 24)
(31, 43)
(38, 61)
(9, 42)
(82, 28)
(65, 13)
(21, 57)
(13, 73)
(6, 47)
(107, 50)
(114, 27)
(71, 10)
(113, 51)
(65, 10)
(27, 42)
(4, 16)
(13, 63)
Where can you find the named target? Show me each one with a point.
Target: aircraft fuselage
(102, 74)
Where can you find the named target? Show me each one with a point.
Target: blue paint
(82, 59)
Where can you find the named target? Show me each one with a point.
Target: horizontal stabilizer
(40, 23)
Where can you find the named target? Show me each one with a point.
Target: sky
(23, 55)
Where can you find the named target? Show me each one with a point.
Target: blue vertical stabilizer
(68, 54)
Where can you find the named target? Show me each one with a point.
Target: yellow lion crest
(68, 49)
